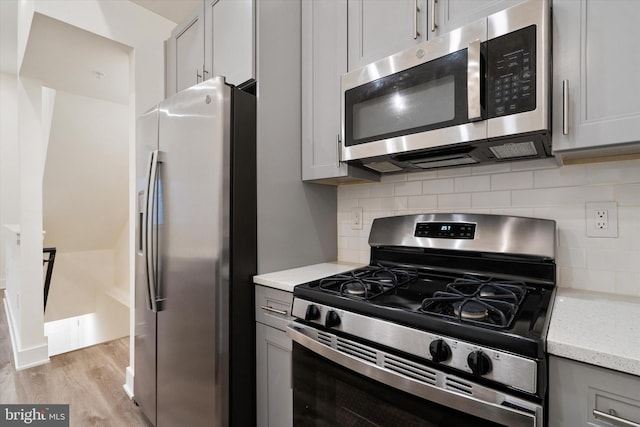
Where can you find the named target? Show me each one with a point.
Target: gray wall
(297, 222)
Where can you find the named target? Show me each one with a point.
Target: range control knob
(331, 319)
(479, 363)
(439, 350)
(312, 313)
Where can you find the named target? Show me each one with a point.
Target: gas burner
(479, 300)
(470, 309)
(367, 282)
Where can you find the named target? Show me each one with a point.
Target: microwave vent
(514, 149)
(383, 167)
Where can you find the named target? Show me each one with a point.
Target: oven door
(339, 382)
(418, 98)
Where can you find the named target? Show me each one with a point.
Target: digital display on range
(446, 230)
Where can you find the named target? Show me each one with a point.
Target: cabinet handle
(273, 310)
(565, 107)
(203, 74)
(416, 9)
(612, 417)
(433, 16)
(198, 76)
(338, 141)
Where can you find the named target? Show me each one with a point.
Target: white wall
(9, 157)
(536, 189)
(125, 23)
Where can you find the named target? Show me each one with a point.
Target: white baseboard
(128, 386)
(28, 357)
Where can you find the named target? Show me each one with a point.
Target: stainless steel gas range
(445, 327)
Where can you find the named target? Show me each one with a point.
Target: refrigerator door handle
(151, 224)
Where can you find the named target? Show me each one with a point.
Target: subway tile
(566, 176)
(491, 199)
(454, 172)
(357, 191)
(381, 190)
(470, 184)
(348, 255)
(627, 283)
(571, 256)
(370, 204)
(628, 194)
(512, 181)
(628, 228)
(437, 186)
(422, 202)
(454, 201)
(627, 171)
(561, 196)
(421, 176)
(396, 177)
(513, 211)
(408, 188)
(491, 168)
(588, 279)
(525, 165)
(613, 260)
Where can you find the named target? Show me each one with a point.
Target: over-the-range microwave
(479, 94)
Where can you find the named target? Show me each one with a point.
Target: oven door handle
(502, 413)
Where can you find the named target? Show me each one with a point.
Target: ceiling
(174, 10)
(73, 60)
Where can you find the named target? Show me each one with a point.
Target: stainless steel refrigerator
(195, 258)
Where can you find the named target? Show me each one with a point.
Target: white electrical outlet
(602, 219)
(356, 218)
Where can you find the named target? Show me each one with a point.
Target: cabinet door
(230, 40)
(379, 28)
(324, 60)
(448, 15)
(587, 395)
(273, 382)
(185, 53)
(595, 48)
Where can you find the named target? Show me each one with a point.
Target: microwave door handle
(473, 81)
(565, 107)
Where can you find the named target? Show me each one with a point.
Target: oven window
(326, 394)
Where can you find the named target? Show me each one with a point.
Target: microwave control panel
(511, 73)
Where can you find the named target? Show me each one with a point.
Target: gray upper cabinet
(595, 56)
(218, 39)
(447, 15)
(379, 28)
(230, 40)
(324, 60)
(185, 53)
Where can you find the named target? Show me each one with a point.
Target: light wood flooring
(89, 380)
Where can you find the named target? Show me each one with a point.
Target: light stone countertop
(285, 280)
(596, 328)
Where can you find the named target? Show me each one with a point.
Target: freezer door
(145, 317)
(193, 230)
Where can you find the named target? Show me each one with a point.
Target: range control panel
(446, 230)
(511, 73)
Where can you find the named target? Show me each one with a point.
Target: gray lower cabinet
(274, 398)
(587, 395)
(598, 112)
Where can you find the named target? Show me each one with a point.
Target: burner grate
(368, 282)
(485, 301)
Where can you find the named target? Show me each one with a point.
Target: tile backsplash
(536, 189)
